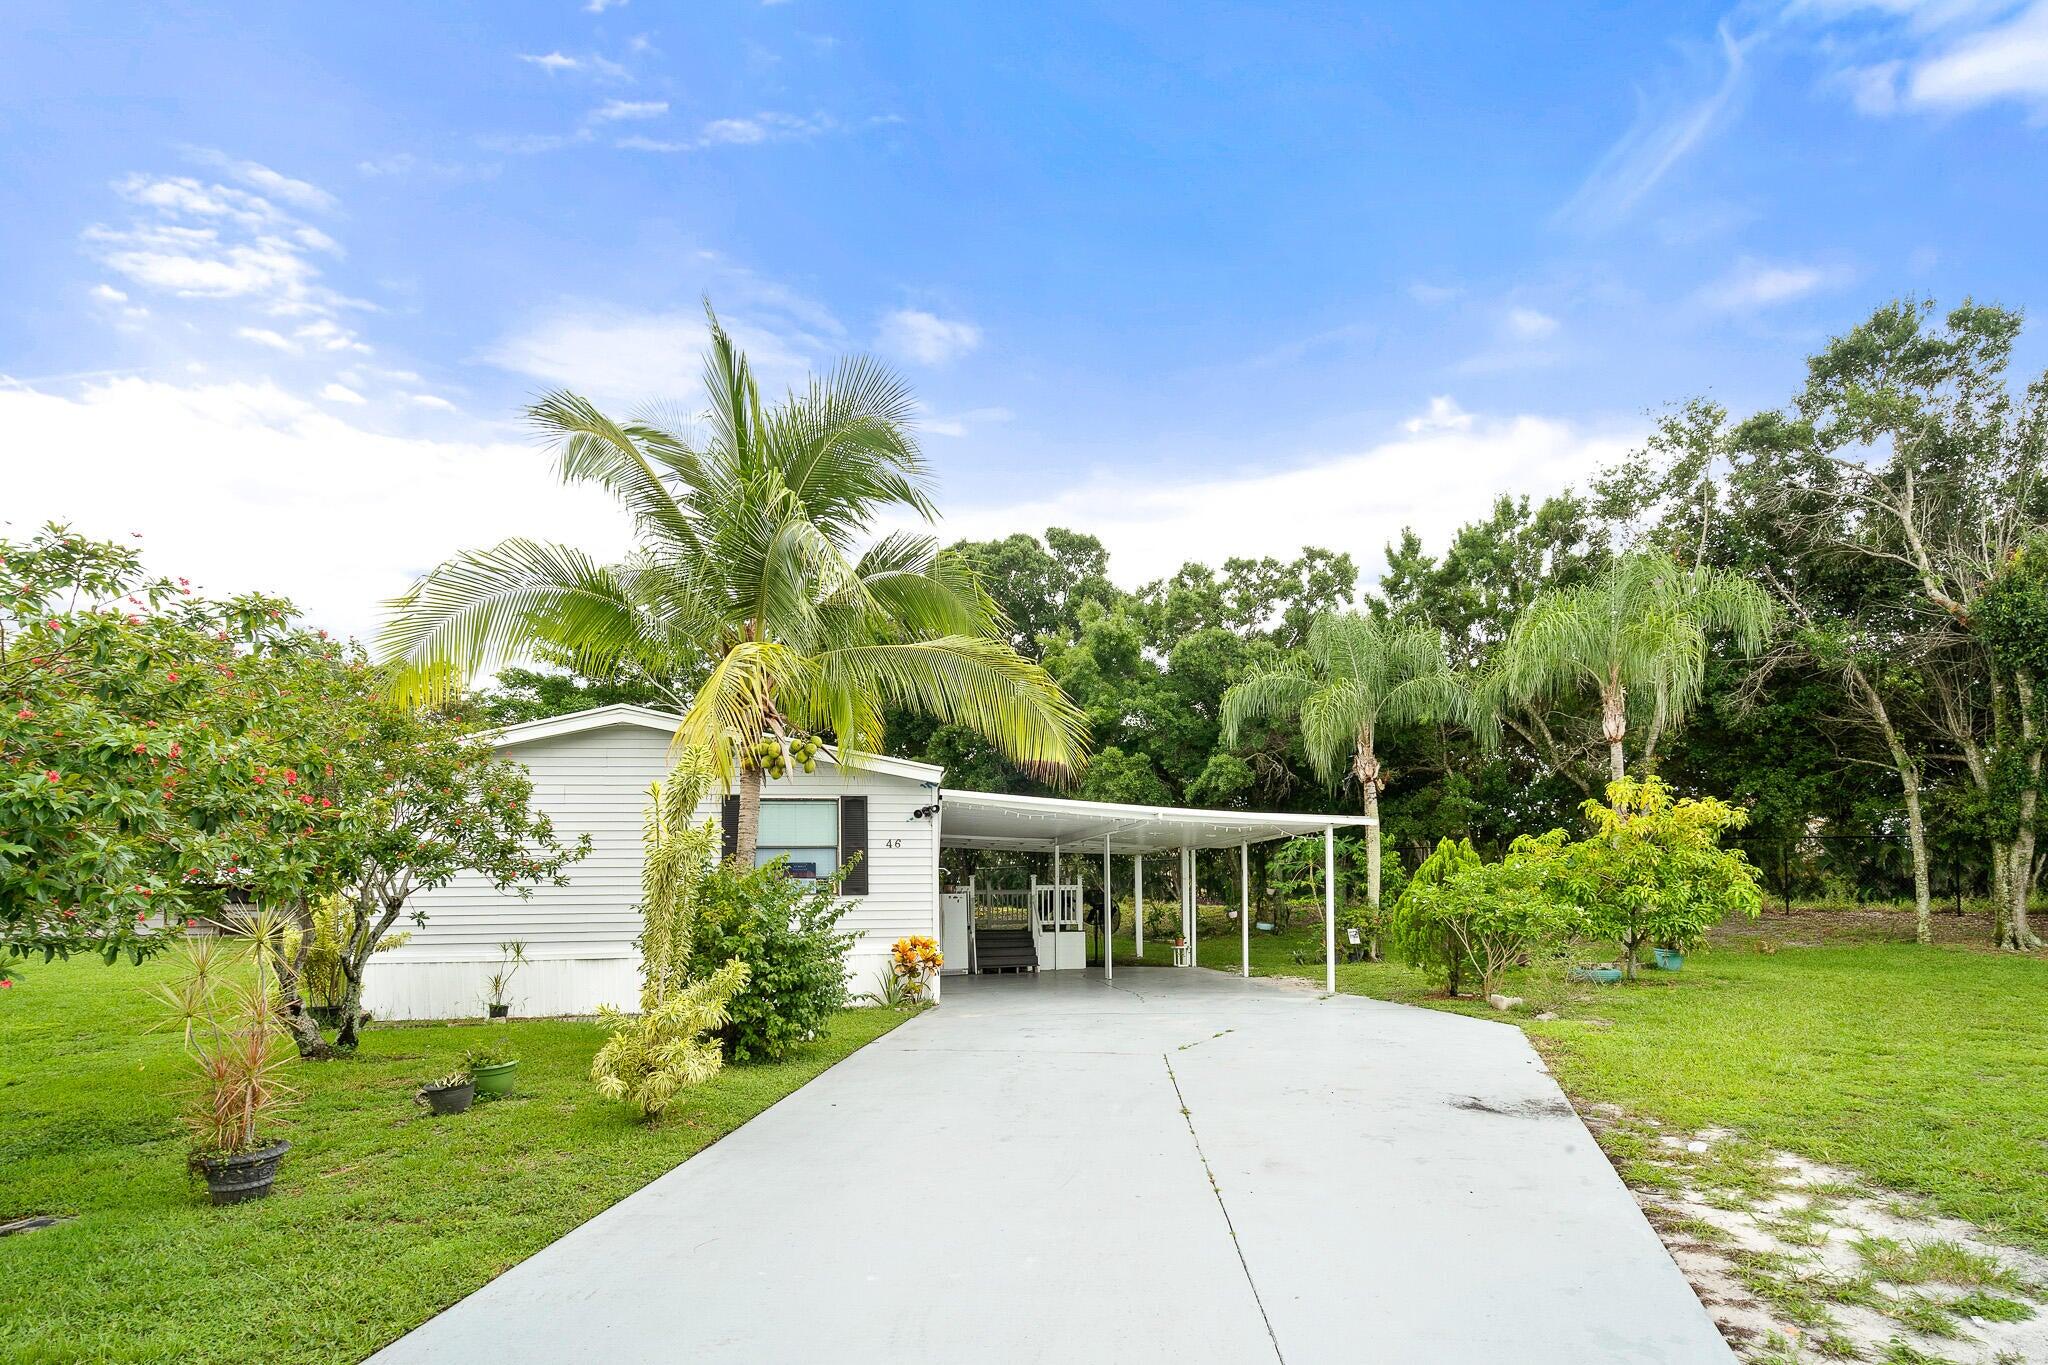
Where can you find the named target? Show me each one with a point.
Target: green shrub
(1462, 914)
(787, 932)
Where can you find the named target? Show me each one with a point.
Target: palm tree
(748, 584)
(1357, 674)
(1637, 635)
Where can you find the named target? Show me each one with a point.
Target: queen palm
(748, 588)
(1637, 636)
(1357, 674)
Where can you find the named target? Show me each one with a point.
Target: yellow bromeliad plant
(915, 960)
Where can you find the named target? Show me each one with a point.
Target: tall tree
(1911, 455)
(1638, 636)
(1357, 674)
(748, 566)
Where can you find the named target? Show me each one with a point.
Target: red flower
(191, 924)
(305, 798)
(176, 749)
(53, 775)
(25, 713)
(291, 775)
(170, 677)
(6, 984)
(325, 803)
(142, 748)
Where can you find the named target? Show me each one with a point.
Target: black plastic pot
(500, 1011)
(245, 1175)
(449, 1099)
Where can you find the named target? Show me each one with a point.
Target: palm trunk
(1372, 869)
(1366, 767)
(1614, 723)
(750, 816)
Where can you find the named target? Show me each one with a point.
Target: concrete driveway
(1181, 1167)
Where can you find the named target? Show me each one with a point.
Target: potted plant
(451, 1094)
(226, 1004)
(915, 961)
(511, 957)
(491, 1068)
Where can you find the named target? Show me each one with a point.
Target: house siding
(579, 937)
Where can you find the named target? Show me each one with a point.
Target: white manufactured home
(591, 773)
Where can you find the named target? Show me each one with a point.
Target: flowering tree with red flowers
(162, 754)
(138, 722)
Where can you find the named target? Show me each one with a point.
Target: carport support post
(1138, 903)
(1330, 909)
(1244, 909)
(1188, 895)
(1108, 933)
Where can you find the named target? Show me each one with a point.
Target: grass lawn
(382, 1216)
(1925, 1069)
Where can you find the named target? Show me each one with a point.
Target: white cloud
(1431, 295)
(298, 193)
(431, 400)
(2009, 61)
(764, 127)
(209, 241)
(961, 423)
(1752, 284)
(264, 336)
(1526, 324)
(329, 335)
(337, 393)
(1432, 479)
(238, 486)
(552, 61)
(600, 6)
(618, 355)
(106, 293)
(1443, 414)
(1873, 89)
(641, 143)
(926, 338)
(611, 111)
(1665, 133)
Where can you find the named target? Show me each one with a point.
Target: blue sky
(1204, 279)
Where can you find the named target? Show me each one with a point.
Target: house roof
(649, 718)
(971, 819)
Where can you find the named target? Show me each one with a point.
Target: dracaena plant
(225, 1005)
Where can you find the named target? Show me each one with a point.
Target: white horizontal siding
(579, 937)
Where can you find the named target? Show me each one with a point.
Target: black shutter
(853, 839)
(729, 825)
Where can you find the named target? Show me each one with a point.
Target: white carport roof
(971, 819)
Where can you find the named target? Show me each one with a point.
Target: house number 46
(892, 843)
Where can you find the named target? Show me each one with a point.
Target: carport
(1070, 829)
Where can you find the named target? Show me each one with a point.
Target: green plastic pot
(1605, 976)
(494, 1080)
(1669, 959)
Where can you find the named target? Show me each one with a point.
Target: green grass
(1923, 1069)
(382, 1216)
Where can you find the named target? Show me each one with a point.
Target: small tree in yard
(1653, 871)
(1467, 913)
(424, 799)
(651, 1056)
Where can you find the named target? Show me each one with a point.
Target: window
(805, 832)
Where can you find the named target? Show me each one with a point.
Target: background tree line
(1833, 613)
